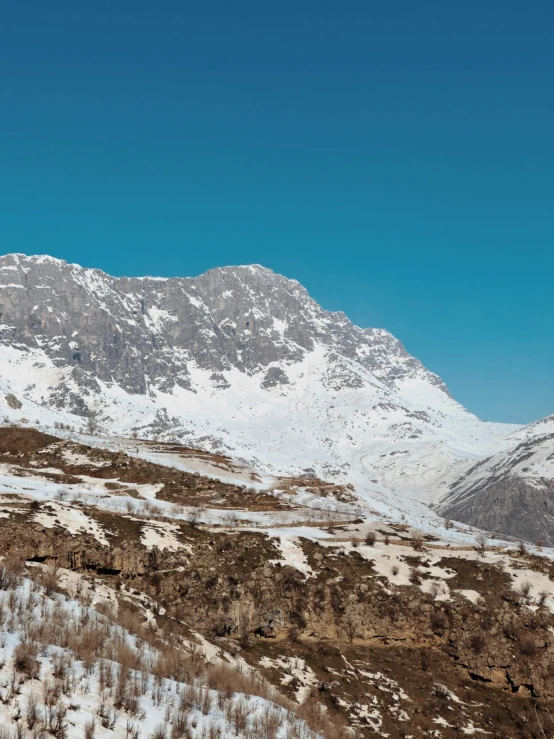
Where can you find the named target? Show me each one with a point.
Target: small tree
(92, 424)
(481, 544)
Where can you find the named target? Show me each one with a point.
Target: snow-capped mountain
(241, 360)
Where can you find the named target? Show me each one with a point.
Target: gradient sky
(395, 157)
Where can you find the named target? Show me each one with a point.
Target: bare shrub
(440, 691)
(350, 628)
(415, 576)
(417, 541)
(193, 516)
(32, 713)
(435, 589)
(7, 578)
(395, 570)
(179, 725)
(267, 724)
(25, 659)
(528, 646)
(477, 642)
(481, 544)
(511, 630)
(55, 719)
(245, 632)
(522, 547)
(239, 714)
(525, 588)
(205, 701)
(370, 538)
(542, 598)
(438, 621)
(107, 715)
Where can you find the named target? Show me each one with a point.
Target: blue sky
(396, 158)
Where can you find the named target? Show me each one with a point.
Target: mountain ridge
(239, 360)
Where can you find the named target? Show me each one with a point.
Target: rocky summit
(142, 333)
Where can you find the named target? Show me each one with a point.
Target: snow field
(70, 671)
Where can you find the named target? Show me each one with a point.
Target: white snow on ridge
(399, 448)
(70, 518)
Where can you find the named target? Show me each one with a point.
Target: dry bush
(511, 630)
(481, 544)
(25, 659)
(395, 569)
(440, 691)
(204, 701)
(417, 541)
(528, 646)
(438, 620)
(370, 538)
(187, 698)
(179, 725)
(477, 642)
(350, 628)
(8, 579)
(32, 712)
(107, 715)
(435, 589)
(525, 588)
(55, 713)
(267, 724)
(542, 598)
(415, 576)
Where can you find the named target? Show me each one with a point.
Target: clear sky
(395, 157)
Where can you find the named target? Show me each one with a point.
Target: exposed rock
(141, 332)
(273, 377)
(13, 402)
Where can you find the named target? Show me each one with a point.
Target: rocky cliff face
(143, 333)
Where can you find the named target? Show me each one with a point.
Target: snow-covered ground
(399, 448)
(72, 672)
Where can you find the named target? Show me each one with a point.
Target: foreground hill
(225, 579)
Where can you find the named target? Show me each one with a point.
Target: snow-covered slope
(511, 491)
(240, 360)
(68, 671)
